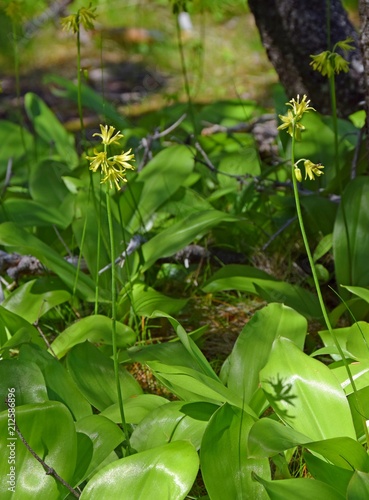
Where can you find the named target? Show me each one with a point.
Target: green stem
(318, 289)
(79, 84)
(185, 77)
(332, 90)
(114, 316)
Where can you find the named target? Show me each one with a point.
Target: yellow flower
(87, 17)
(107, 136)
(298, 174)
(340, 64)
(100, 160)
(312, 169)
(345, 44)
(321, 63)
(291, 121)
(114, 168)
(300, 107)
(123, 160)
(70, 23)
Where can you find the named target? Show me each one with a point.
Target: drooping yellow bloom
(107, 135)
(329, 62)
(291, 121)
(312, 169)
(113, 168)
(84, 16)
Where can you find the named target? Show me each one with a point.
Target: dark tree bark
(291, 31)
(364, 44)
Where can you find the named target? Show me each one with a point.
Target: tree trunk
(291, 31)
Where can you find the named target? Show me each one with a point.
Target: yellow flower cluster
(291, 121)
(84, 16)
(112, 168)
(329, 63)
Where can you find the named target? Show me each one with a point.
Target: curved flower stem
(114, 316)
(318, 290)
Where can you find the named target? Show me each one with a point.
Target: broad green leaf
(303, 489)
(46, 184)
(24, 379)
(12, 145)
(49, 430)
(34, 298)
(15, 330)
(161, 178)
(202, 364)
(105, 437)
(337, 477)
(192, 385)
(30, 213)
(48, 127)
(359, 486)
(356, 206)
(225, 465)
(145, 300)
(268, 438)
(164, 473)
(136, 408)
(296, 384)
(354, 340)
(95, 328)
(59, 383)
(180, 234)
(173, 421)
(18, 239)
(251, 280)
(94, 375)
(254, 344)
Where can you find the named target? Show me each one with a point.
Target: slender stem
(185, 77)
(332, 90)
(79, 84)
(114, 316)
(318, 290)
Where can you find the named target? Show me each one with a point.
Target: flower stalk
(291, 122)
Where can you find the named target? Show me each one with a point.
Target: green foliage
(274, 400)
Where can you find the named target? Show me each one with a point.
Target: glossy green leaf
(225, 465)
(145, 300)
(95, 328)
(296, 384)
(46, 184)
(337, 477)
(356, 206)
(24, 379)
(254, 344)
(303, 489)
(18, 239)
(359, 486)
(136, 408)
(268, 438)
(48, 127)
(173, 421)
(251, 280)
(34, 298)
(12, 145)
(105, 437)
(49, 430)
(59, 383)
(28, 213)
(93, 373)
(15, 330)
(323, 247)
(180, 234)
(161, 178)
(167, 472)
(192, 385)
(361, 292)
